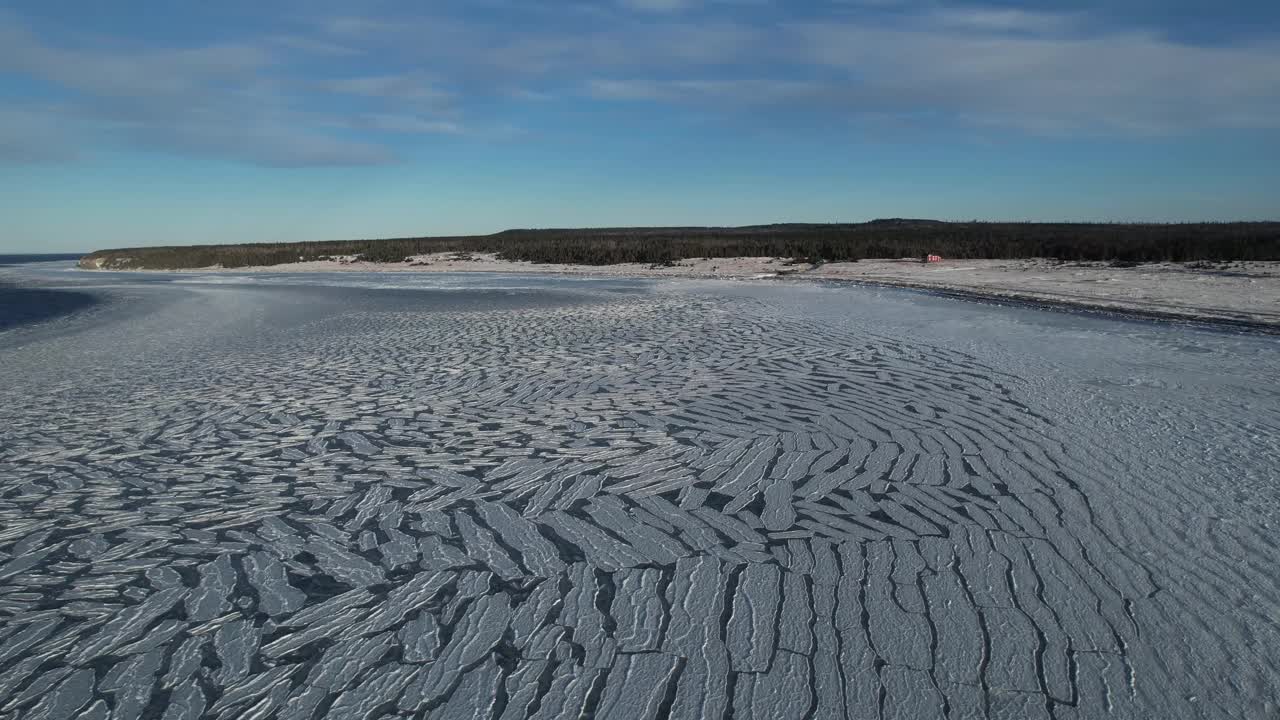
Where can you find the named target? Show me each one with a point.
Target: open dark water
(22, 306)
(24, 300)
(490, 496)
(38, 258)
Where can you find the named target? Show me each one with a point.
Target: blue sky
(140, 123)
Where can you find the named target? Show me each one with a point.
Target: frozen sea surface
(304, 496)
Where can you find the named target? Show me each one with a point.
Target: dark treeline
(832, 243)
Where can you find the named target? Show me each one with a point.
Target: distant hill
(885, 238)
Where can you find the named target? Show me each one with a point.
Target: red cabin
(932, 258)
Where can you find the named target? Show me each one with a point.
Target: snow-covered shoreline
(1235, 293)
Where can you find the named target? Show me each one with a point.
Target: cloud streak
(227, 101)
(1039, 73)
(1119, 82)
(353, 90)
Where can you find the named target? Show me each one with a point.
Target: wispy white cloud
(233, 101)
(348, 89)
(1128, 82)
(312, 45)
(36, 134)
(988, 19)
(142, 73)
(737, 92)
(1039, 73)
(400, 123)
(658, 5)
(407, 88)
